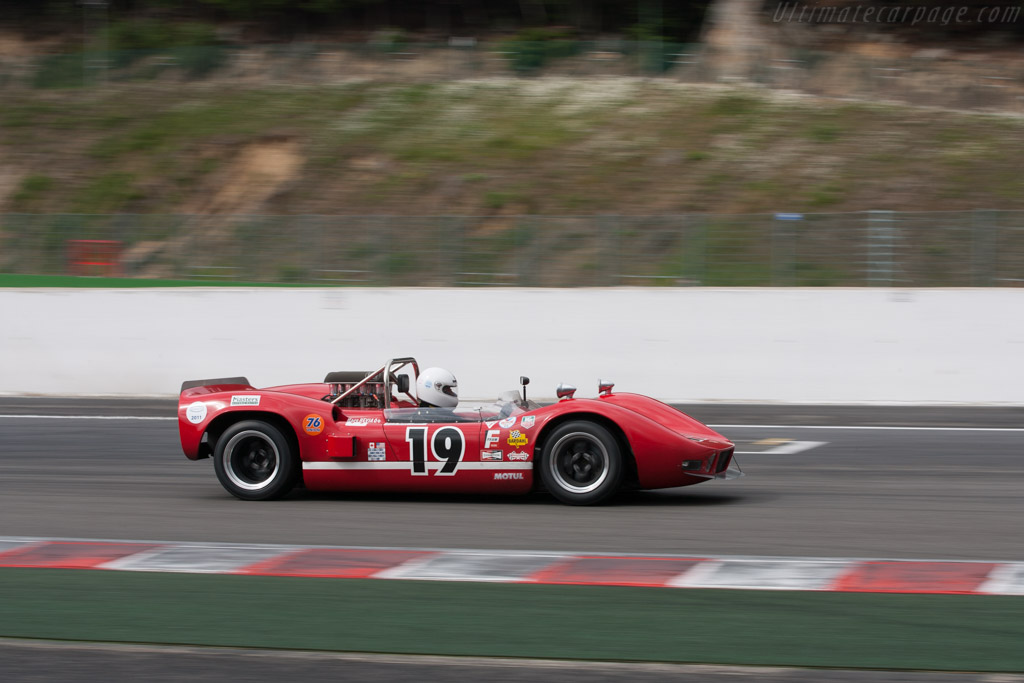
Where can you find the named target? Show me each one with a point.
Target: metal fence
(923, 79)
(875, 248)
(313, 63)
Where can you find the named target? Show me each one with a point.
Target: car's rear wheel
(254, 461)
(581, 463)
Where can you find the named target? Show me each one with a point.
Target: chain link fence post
(383, 250)
(682, 251)
(451, 235)
(783, 248)
(983, 247)
(881, 245)
(702, 252)
(608, 266)
(521, 268)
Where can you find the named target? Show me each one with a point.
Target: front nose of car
(714, 463)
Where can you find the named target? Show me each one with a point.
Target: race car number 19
(447, 445)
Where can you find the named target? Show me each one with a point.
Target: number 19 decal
(447, 445)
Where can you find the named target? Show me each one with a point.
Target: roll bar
(393, 365)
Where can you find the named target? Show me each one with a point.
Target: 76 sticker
(312, 424)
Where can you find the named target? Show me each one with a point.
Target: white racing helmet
(437, 387)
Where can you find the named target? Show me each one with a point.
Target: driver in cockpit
(437, 388)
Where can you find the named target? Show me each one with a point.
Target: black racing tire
(254, 461)
(581, 463)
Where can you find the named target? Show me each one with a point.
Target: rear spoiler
(217, 384)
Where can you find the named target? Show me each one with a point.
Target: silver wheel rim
(579, 462)
(251, 460)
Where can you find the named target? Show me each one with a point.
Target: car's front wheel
(581, 463)
(254, 461)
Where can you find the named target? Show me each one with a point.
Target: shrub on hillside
(532, 48)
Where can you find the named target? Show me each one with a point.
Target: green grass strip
(938, 632)
(14, 280)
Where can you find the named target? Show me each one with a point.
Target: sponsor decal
(507, 422)
(508, 475)
(490, 423)
(428, 383)
(312, 424)
(492, 438)
(245, 400)
(375, 451)
(517, 439)
(196, 412)
(518, 456)
(528, 421)
(362, 421)
(490, 456)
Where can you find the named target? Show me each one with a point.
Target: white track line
(868, 427)
(793, 447)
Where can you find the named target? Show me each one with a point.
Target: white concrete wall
(795, 345)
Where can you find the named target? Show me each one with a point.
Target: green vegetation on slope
(546, 182)
(777, 628)
(505, 146)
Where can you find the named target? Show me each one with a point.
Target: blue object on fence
(789, 216)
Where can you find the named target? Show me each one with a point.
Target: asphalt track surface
(949, 488)
(881, 482)
(81, 663)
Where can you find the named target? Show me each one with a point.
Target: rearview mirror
(565, 391)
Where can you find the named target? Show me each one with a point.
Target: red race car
(400, 429)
